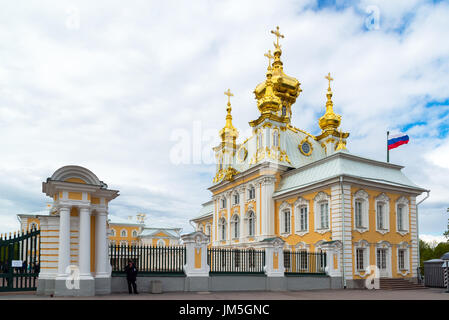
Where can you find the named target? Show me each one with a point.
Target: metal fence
(19, 261)
(434, 273)
(224, 260)
(303, 262)
(148, 259)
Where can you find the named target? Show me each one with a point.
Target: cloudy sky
(118, 86)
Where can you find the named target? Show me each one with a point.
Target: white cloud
(108, 95)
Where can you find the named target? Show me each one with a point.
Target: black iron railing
(19, 260)
(148, 259)
(227, 260)
(303, 262)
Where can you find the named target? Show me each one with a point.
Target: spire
(229, 131)
(330, 120)
(277, 64)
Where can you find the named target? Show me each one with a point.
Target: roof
(171, 232)
(122, 221)
(343, 163)
(206, 210)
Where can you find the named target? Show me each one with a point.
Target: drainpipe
(417, 234)
(343, 233)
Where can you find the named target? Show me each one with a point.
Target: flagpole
(388, 150)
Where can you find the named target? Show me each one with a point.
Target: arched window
(235, 226)
(235, 198)
(251, 223)
(322, 213)
(301, 216)
(382, 213)
(33, 226)
(251, 193)
(275, 138)
(402, 216)
(286, 221)
(222, 228)
(113, 233)
(123, 233)
(134, 233)
(259, 140)
(160, 243)
(361, 204)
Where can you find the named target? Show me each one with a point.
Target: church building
(309, 190)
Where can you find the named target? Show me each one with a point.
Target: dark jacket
(131, 272)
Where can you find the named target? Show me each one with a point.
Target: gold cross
(278, 35)
(269, 56)
(229, 94)
(329, 78)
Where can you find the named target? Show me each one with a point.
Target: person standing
(131, 276)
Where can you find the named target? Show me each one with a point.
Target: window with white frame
(222, 228)
(301, 215)
(259, 140)
(251, 223)
(235, 198)
(223, 203)
(361, 209)
(235, 226)
(382, 213)
(275, 138)
(322, 214)
(251, 192)
(134, 233)
(208, 229)
(286, 221)
(360, 259)
(402, 215)
(113, 232)
(401, 259)
(123, 233)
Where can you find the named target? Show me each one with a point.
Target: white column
(242, 233)
(228, 219)
(267, 212)
(258, 212)
(101, 245)
(84, 240)
(64, 241)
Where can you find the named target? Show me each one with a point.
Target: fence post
(274, 256)
(196, 254)
(332, 249)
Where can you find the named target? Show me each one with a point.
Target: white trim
(403, 201)
(406, 247)
(383, 199)
(385, 245)
(319, 199)
(363, 197)
(235, 219)
(301, 203)
(282, 209)
(362, 244)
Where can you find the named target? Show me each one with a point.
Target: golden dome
(279, 91)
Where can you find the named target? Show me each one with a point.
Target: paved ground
(424, 294)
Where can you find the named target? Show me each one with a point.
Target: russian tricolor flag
(397, 140)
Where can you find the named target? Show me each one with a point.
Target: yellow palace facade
(309, 190)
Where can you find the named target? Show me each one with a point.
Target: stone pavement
(348, 294)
